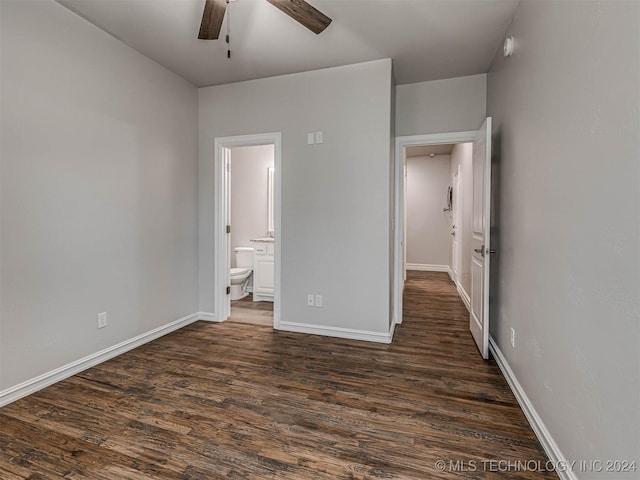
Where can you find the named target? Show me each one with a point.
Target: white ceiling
(427, 39)
(426, 150)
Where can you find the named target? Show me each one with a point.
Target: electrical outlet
(102, 320)
(318, 300)
(310, 300)
(513, 338)
(319, 137)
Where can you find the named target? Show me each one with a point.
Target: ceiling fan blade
(212, 17)
(302, 12)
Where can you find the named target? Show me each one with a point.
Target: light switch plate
(310, 139)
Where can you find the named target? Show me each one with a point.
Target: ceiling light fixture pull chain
(228, 29)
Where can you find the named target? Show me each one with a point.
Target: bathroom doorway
(252, 279)
(246, 225)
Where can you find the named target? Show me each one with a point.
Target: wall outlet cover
(102, 320)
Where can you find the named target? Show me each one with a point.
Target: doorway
(429, 205)
(438, 192)
(252, 234)
(476, 298)
(402, 143)
(265, 246)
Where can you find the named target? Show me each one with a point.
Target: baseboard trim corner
(207, 317)
(539, 428)
(427, 267)
(32, 385)
(337, 332)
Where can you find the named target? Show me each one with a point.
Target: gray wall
(567, 148)
(249, 194)
(462, 154)
(428, 227)
(98, 191)
(335, 195)
(451, 105)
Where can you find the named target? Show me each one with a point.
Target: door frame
(220, 241)
(457, 216)
(401, 145)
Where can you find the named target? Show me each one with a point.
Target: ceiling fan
(299, 10)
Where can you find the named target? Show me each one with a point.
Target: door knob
(482, 251)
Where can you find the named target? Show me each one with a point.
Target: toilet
(241, 275)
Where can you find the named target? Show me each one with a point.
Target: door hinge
(228, 290)
(228, 228)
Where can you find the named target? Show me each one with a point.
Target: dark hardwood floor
(242, 401)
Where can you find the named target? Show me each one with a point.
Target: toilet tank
(244, 257)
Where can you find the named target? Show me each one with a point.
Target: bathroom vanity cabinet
(263, 271)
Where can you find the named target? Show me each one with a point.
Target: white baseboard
(450, 272)
(427, 267)
(28, 387)
(207, 317)
(464, 296)
(262, 298)
(337, 332)
(548, 443)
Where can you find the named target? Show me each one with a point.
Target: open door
(479, 317)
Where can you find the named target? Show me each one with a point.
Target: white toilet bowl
(241, 275)
(239, 280)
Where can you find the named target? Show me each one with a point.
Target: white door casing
(480, 242)
(227, 234)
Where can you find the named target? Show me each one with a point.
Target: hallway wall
(439, 106)
(428, 227)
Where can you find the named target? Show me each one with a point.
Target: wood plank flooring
(243, 401)
(246, 310)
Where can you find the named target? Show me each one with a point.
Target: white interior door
(455, 228)
(479, 317)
